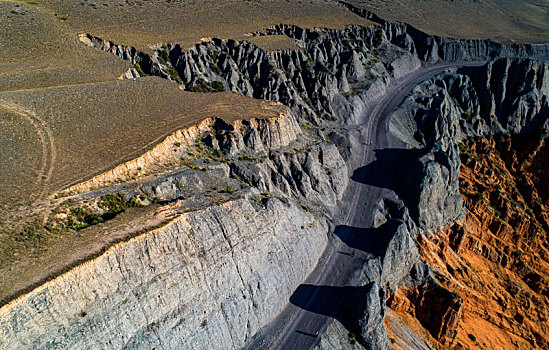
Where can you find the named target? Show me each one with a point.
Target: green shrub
(137, 67)
(201, 86)
(73, 223)
(93, 219)
(228, 190)
(213, 54)
(215, 68)
(217, 153)
(245, 157)
(117, 203)
(174, 74)
(378, 38)
(29, 234)
(323, 67)
(346, 44)
(204, 86)
(163, 55)
(472, 337)
(352, 338)
(218, 86)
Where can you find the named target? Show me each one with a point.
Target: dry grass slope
(274, 42)
(38, 49)
(504, 20)
(141, 23)
(98, 126)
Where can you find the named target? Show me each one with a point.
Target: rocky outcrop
(370, 319)
(318, 174)
(441, 112)
(204, 280)
(147, 64)
(253, 137)
(512, 96)
(215, 263)
(337, 337)
(495, 258)
(320, 79)
(459, 110)
(435, 307)
(434, 47)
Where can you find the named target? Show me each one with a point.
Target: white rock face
(255, 135)
(209, 279)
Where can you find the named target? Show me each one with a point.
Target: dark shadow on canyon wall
(341, 303)
(397, 169)
(370, 240)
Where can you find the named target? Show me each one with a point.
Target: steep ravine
(213, 276)
(497, 252)
(215, 260)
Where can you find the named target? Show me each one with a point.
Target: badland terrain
(274, 174)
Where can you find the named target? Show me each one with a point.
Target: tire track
(47, 142)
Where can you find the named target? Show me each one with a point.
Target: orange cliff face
(494, 262)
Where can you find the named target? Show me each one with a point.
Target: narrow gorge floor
(351, 188)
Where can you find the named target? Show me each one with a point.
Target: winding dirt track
(47, 142)
(296, 326)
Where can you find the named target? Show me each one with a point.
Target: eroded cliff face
(492, 262)
(213, 275)
(322, 78)
(496, 258)
(247, 206)
(252, 137)
(210, 278)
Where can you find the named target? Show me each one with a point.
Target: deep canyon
(397, 200)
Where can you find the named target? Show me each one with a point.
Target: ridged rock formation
(496, 258)
(243, 136)
(441, 112)
(204, 280)
(503, 98)
(213, 276)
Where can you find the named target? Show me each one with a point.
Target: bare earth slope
(504, 20)
(223, 233)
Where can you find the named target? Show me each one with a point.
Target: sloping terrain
(494, 259)
(39, 49)
(102, 125)
(504, 20)
(141, 23)
(191, 219)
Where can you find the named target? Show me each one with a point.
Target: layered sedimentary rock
(211, 278)
(496, 258)
(208, 279)
(252, 136)
(503, 98)
(441, 112)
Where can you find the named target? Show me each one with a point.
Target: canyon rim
(321, 175)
